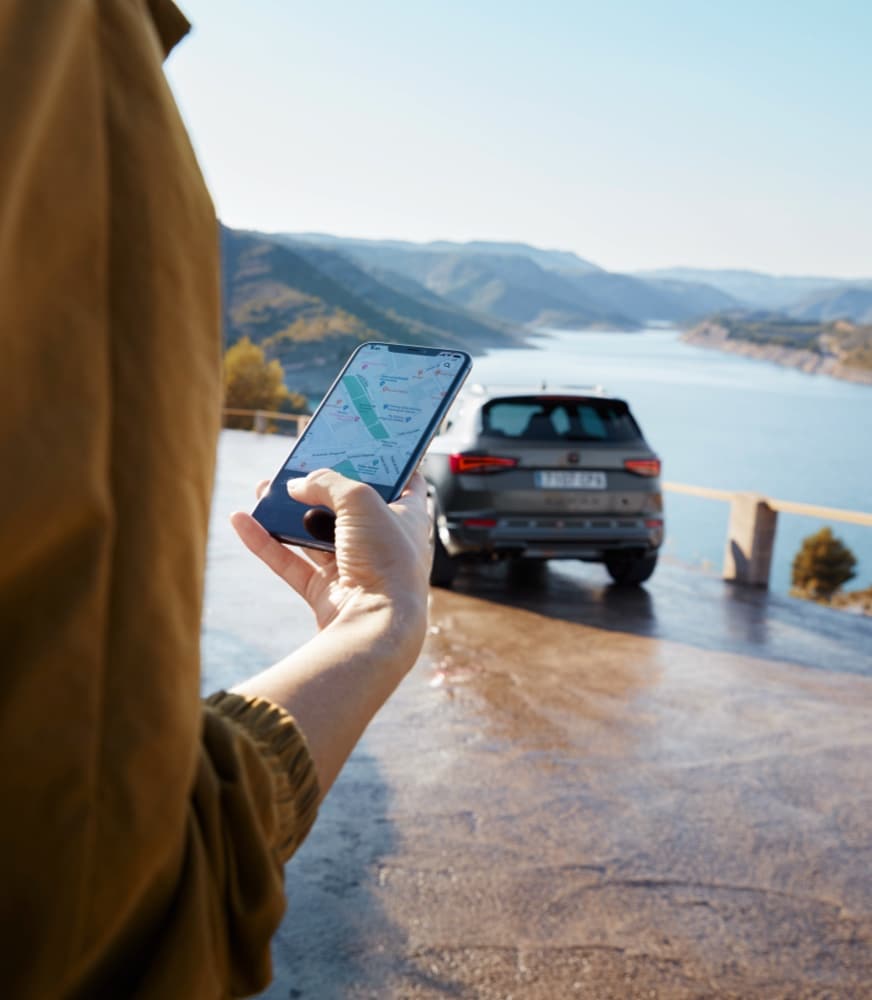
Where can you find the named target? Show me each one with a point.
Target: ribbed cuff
(284, 747)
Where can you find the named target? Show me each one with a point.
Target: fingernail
(293, 484)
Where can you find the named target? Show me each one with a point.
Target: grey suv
(540, 475)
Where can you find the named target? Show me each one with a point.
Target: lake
(723, 421)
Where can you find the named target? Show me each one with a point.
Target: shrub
(253, 383)
(822, 565)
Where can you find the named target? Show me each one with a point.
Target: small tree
(253, 383)
(822, 565)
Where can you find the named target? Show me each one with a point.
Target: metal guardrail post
(753, 518)
(750, 540)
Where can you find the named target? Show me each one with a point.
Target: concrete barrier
(752, 526)
(261, 418)
(753, 518)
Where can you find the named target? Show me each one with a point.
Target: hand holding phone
(382, 554)
(373, 425)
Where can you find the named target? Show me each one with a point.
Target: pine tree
(822, 565)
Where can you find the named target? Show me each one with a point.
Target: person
(144, 831)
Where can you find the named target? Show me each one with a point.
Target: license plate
(570, 480)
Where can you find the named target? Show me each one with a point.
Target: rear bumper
(550, 538)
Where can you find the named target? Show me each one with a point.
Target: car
(544, 474)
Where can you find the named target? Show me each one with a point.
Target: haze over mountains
(532, 286)
(753, 289)
(850, 301)
(529, 286)
(309, 297)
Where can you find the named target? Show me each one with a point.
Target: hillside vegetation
(528, 286)
(308, 310)
(837, 348)
(308, 299)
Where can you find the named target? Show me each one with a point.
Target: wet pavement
(582, 792)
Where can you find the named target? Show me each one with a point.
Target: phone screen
(373, 425)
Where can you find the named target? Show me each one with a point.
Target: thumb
(328, 488)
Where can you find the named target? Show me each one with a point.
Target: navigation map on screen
(375, 415)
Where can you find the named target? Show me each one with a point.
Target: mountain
(840, 348)
(514, 289)
(552, 260)
(525, 285)
(402, 297)
(310, 298)
(695, 298)
(648, 301)
(510, 288)
(750, 288)
(309, 308)
(851, 302)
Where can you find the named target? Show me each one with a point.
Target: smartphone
(374, 425)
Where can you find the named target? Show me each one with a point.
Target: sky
(712, 133)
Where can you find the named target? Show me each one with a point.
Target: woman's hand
(370, 601)
(383, 551)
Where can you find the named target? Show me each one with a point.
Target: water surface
(723, 421)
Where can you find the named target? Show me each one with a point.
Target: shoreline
(716, 337)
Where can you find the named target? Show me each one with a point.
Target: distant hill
(553, 260)
(514, 289)
(511, 288)
(309, 298)
(648, 301)
(841, 349)
(851, 302)
(310, 307)
(751, 288)
(695, 298)
(521, 284)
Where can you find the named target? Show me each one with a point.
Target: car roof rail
(482, 389)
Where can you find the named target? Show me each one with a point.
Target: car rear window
(530, 418)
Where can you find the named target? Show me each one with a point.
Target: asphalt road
(584, 792)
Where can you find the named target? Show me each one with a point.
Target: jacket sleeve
(255, 799)
(233, 722)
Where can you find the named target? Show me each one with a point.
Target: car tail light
(654, 526)
(480, 522)
(643, 466)
(480, 463)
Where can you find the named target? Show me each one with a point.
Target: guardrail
(751, 530)
(261, 418)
